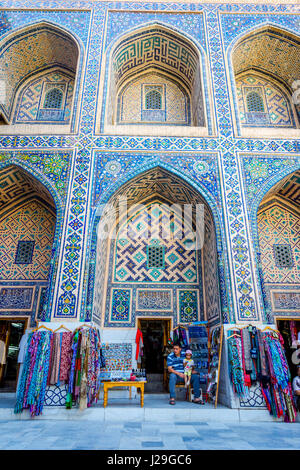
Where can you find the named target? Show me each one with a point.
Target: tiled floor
(91, 435)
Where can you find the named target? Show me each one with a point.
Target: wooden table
(121, 383)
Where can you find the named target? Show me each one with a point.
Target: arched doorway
(158, 61)
(278, 223)
(147, 269)
(39, 65)
(27, 227)
(264, 86)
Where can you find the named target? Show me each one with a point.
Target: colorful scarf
(278, 393)
(235, 365)
(247, 348)
(55, 359)
(65, 356)
(84, 379)
(32, 385)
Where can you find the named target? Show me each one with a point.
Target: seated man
(175, 367)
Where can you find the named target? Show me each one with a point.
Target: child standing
(188, 365)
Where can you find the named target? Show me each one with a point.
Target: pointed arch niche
(28, 217)
(155, 60)
(278, 230)
(140, 272)
(266, 65)
(35, 61)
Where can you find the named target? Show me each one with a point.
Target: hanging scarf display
(278, 392)
(65, 357)
(84, 378)
(259, 356)
(180, 336)
(32, 385)
(247, 377)
(235, 364)
(246, 350)
(264, 375)
(55, 359)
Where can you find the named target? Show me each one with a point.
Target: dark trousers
(195, 383)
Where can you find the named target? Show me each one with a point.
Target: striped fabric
(176, 362)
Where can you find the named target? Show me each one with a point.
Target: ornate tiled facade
(85, 166)
(274, 109)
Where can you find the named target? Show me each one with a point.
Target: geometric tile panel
(42, 47)
(154, 300)
(29, 222)
(258, 50)
(33, 97)
(188, 305)
(173, 101)
(279, 227)
(16, 298)
(120, 305)
(134, 244)
(224, 26)
(275, 107)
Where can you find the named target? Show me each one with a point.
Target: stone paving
(176, 435)
(157, 426)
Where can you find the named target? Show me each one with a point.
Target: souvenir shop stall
(206, 347)
(56, 357)
(290, 331)
(257, 356)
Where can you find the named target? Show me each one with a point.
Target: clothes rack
(40, 327)
(62, 327)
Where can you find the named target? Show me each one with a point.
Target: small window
(153, 100)
(283, 256)
(53, 99)
(255, 103)
(156, 256)
(24, 252)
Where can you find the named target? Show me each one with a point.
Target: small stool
(188, 390)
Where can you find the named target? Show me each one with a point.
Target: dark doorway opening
(11, 332)
(155, 337)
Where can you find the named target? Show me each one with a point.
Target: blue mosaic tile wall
(232, 191)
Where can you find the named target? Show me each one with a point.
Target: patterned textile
(32, 385)
(72, 370)
(180, 336)
(262, 356)
(65, 356)
(246, 348)
(279, 399)
(84, 380)
(55, 359)
(264, 353)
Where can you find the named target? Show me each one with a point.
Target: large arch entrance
(38, 66)
(278, 221)
(158, 263)
(27, 227)
(265, 78)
